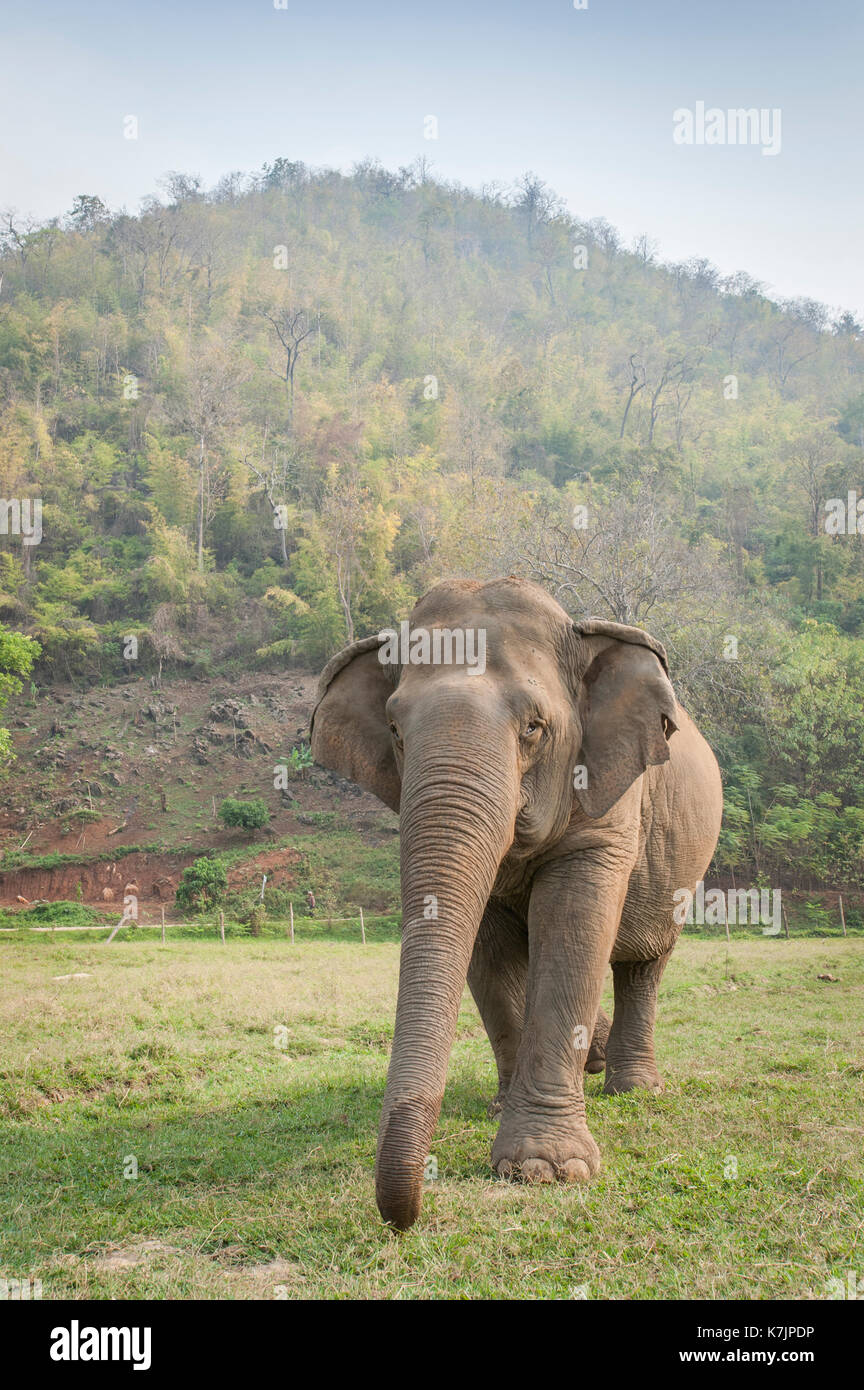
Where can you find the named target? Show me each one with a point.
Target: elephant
(551, 804)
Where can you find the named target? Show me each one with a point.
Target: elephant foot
(632, 1078)
(570, 1156)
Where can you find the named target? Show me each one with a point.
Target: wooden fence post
(222, 925)
(291, 910)
(162, 910)
(362, 927)
(786, 923)
(842, 913)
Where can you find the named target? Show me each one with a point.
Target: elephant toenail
(537, 1170)
(505, 1168)
(574, 1170)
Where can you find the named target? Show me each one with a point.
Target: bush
(62, 913)
(253, 917)
(298, 761)
(202, 885)
(249, 815)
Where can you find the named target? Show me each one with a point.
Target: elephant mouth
(531, 830)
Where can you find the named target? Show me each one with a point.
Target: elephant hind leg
(630, 1061)
(596, 1059)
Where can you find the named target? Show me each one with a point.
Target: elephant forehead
(515, 647)
(517, 650)
(461, 600)
(514, 627)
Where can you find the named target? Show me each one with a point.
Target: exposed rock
(159, 711)
(226, 711)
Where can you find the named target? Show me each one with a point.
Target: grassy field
(244, 1082)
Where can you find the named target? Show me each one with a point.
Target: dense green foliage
(17, 655)
(248, 815)
(264, 419)
(202, 885)
(57, 914)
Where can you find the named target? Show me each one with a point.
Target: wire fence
(380, 926)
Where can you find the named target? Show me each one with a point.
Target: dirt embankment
(156, 875)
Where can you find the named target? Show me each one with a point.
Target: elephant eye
(395, 732)
(532, 728)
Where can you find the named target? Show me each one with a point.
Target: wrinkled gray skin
(538, 887)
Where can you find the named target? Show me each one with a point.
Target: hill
(262, 419)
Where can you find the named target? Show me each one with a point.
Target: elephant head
(480, 764)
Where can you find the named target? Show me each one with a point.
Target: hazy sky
(585, 98)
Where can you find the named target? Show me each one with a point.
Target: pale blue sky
(582, 97)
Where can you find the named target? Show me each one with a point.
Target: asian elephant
(552, 800)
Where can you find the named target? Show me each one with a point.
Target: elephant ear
(627, 709)
(350, 732)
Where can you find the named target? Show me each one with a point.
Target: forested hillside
(263, 419)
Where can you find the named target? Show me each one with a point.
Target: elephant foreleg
(544, 1134)
(496, 978)
(630, 1050)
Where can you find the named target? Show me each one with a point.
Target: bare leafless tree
(292, 327)
(637, 384)
(627, 560)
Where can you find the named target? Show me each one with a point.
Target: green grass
(255, 1148)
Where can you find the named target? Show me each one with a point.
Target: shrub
(202, 885)
(298, 761)
(249, 815)
(64, 913)
(254, 917)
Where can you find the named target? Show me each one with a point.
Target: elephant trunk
(456, 825)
